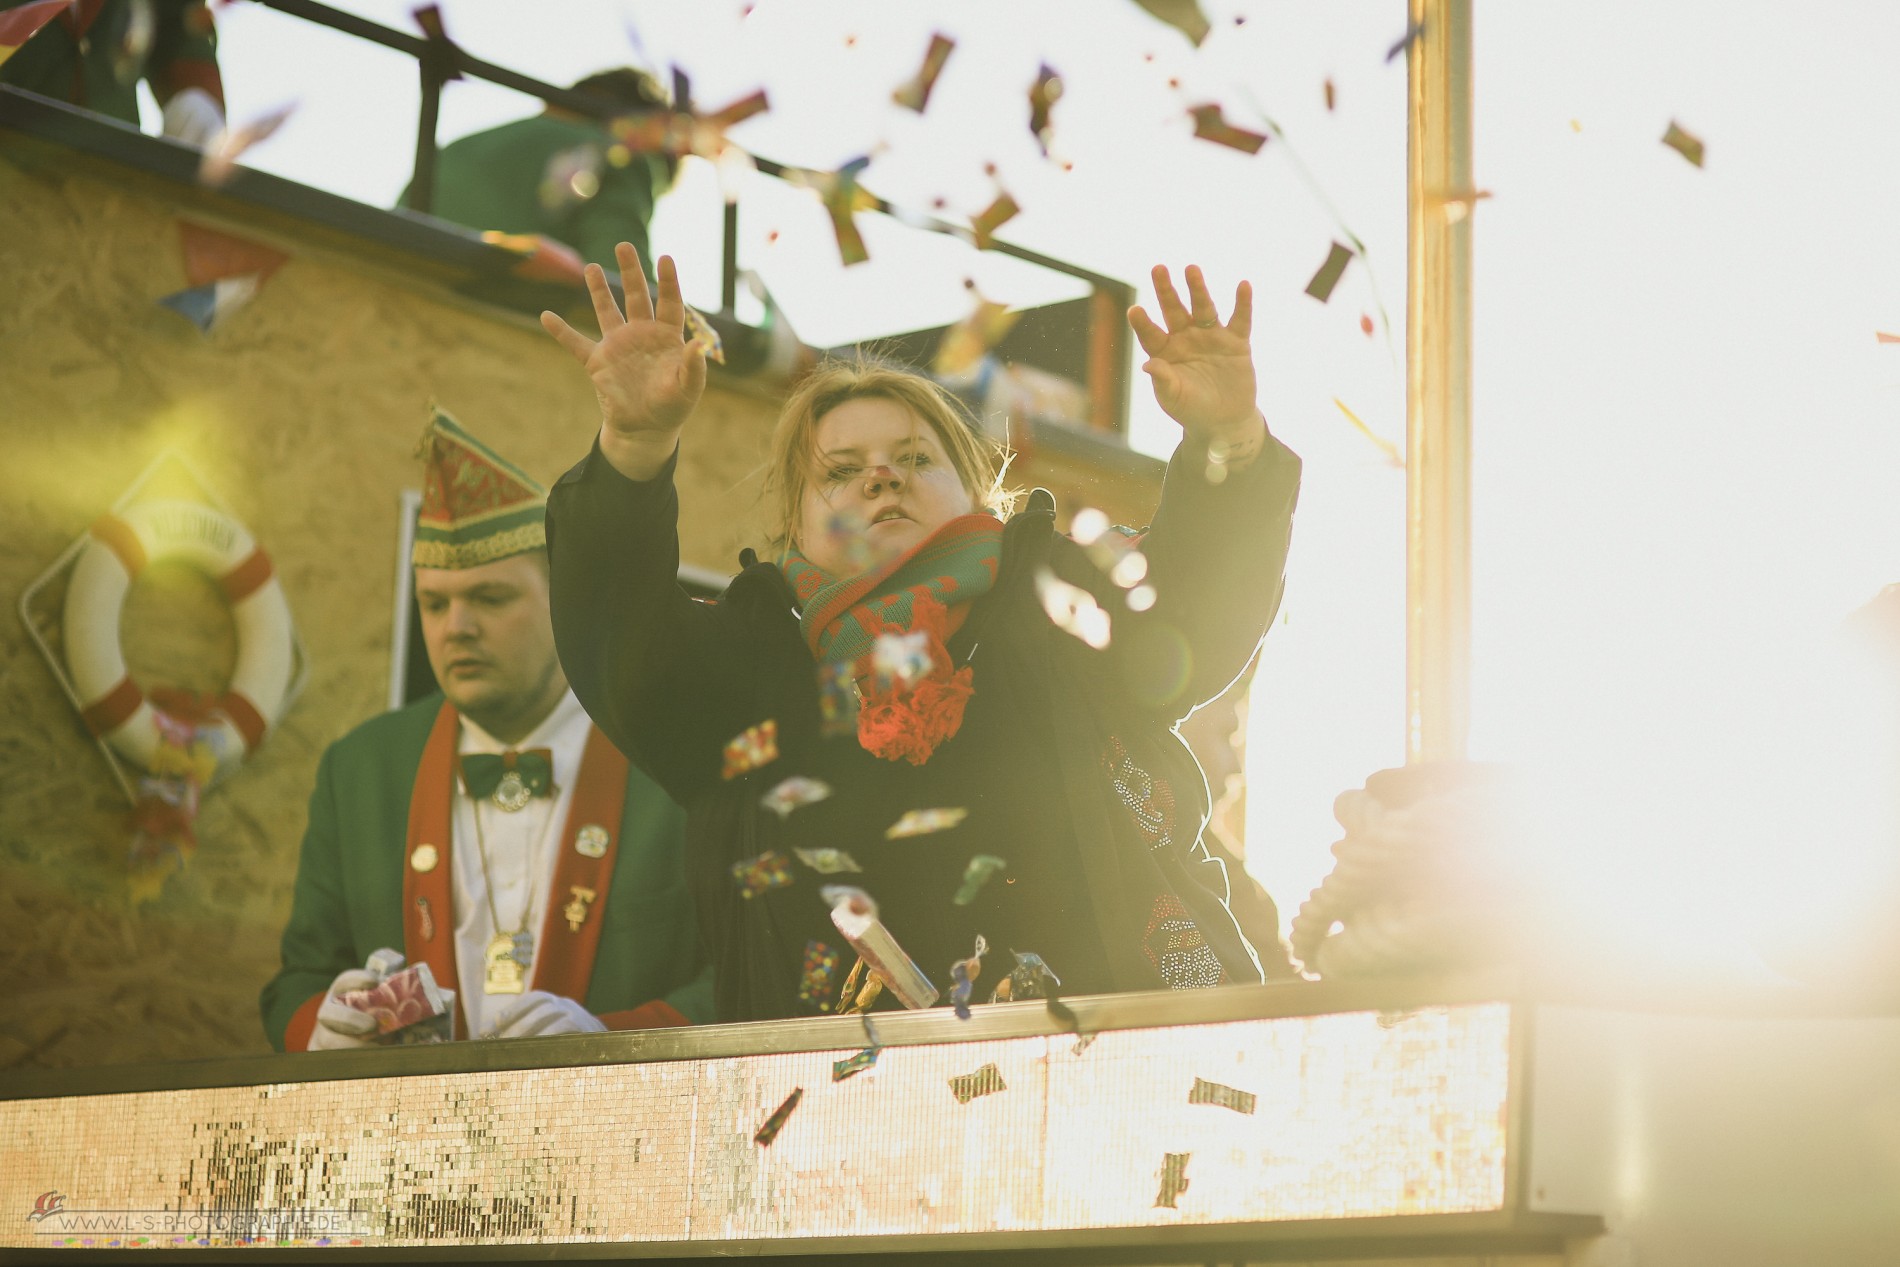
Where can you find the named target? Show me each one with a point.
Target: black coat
(1066, 759)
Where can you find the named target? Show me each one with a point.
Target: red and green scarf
(930, 587)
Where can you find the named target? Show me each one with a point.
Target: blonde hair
(980, 462)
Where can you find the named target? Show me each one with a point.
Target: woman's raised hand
(647, 377)
(1202, 370)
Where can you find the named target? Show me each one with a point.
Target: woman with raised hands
(916, 693)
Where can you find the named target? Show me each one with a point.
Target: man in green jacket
(492, 831)
(559, 174)
(95, 52)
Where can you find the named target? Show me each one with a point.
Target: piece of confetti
(1184, 16)
(817, 974)
(1458, 205)
(1211, 125)
(1214, 1093)
(1043, 95)
(965, 344)
(700, 334)
(1881, 336)
(1330, 94)
(1321, 287)
(828, 861)
(1174, 1180)
(780, 1115)
(1384, 445)
(211, 304)
(841, 201)
(854, 1064)
(1082, 1043)
(837, 700)
(1365, 324)
(220, 158)
(985, 1081)
(739, 111)
(922, 822)
(571, 176)
(1413, 32)
(793, 793)
(1073, 609)
(993, 217)
(1683, 143)
(901, 659)
(757, 746)
(914, 93)
(963, 975)
(767, 871)
(975, 876)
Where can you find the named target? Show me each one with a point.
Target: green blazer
(348, 899)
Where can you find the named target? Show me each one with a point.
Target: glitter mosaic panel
(1353, 1115)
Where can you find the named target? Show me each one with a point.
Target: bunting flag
(210, 305)
(17, 26)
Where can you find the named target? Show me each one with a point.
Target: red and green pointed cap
(477, 506)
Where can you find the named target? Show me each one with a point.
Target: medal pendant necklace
(505, 962)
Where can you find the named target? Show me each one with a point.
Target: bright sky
(1684, 427)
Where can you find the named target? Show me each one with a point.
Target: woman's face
(882, 483)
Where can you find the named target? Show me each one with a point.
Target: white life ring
(114, 707)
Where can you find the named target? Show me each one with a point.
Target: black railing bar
(418, 47)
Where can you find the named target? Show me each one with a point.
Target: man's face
(491, 640)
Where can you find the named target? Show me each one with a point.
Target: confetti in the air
(963, 973)
(854, 1064)
(758, 746)
(1456, 206)
(776, 1123)
(1214, 1093)
(915, 93)
(767, 871)
(572, 175)
(220, 159)
(901, 659)
(700, 334)
(828, 861)
(837, 700)
(816, 975)
(1881, 336)
(965, 344)
(985, 1081)
(1043, 95)
(1211, 125)
(1413, 32)
(1073, 609)
(1683, 143)
(1365, 324)
(1330, 92)
(1321, 287)
(975, 876)
(992, 218)
(1384, 445)
(793, 793)
(922, 822)
(1184, 16)
(1174, 1180)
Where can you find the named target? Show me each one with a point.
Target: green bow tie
(482, 771)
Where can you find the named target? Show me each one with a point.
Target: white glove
(538, 1013)
(338, 1024)
(193, 116)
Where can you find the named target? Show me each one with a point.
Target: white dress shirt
(522, 847)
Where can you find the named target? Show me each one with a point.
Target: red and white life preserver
(202, 537)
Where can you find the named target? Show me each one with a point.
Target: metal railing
(439, 60)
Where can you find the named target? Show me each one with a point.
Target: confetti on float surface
(776, 1123)
(1225, 1097)
(987, 1080)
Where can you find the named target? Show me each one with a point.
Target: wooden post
(1438, 383)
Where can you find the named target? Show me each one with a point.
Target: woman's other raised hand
(647, 377)
(1202, 369)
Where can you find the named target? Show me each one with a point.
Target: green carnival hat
(477, 506)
